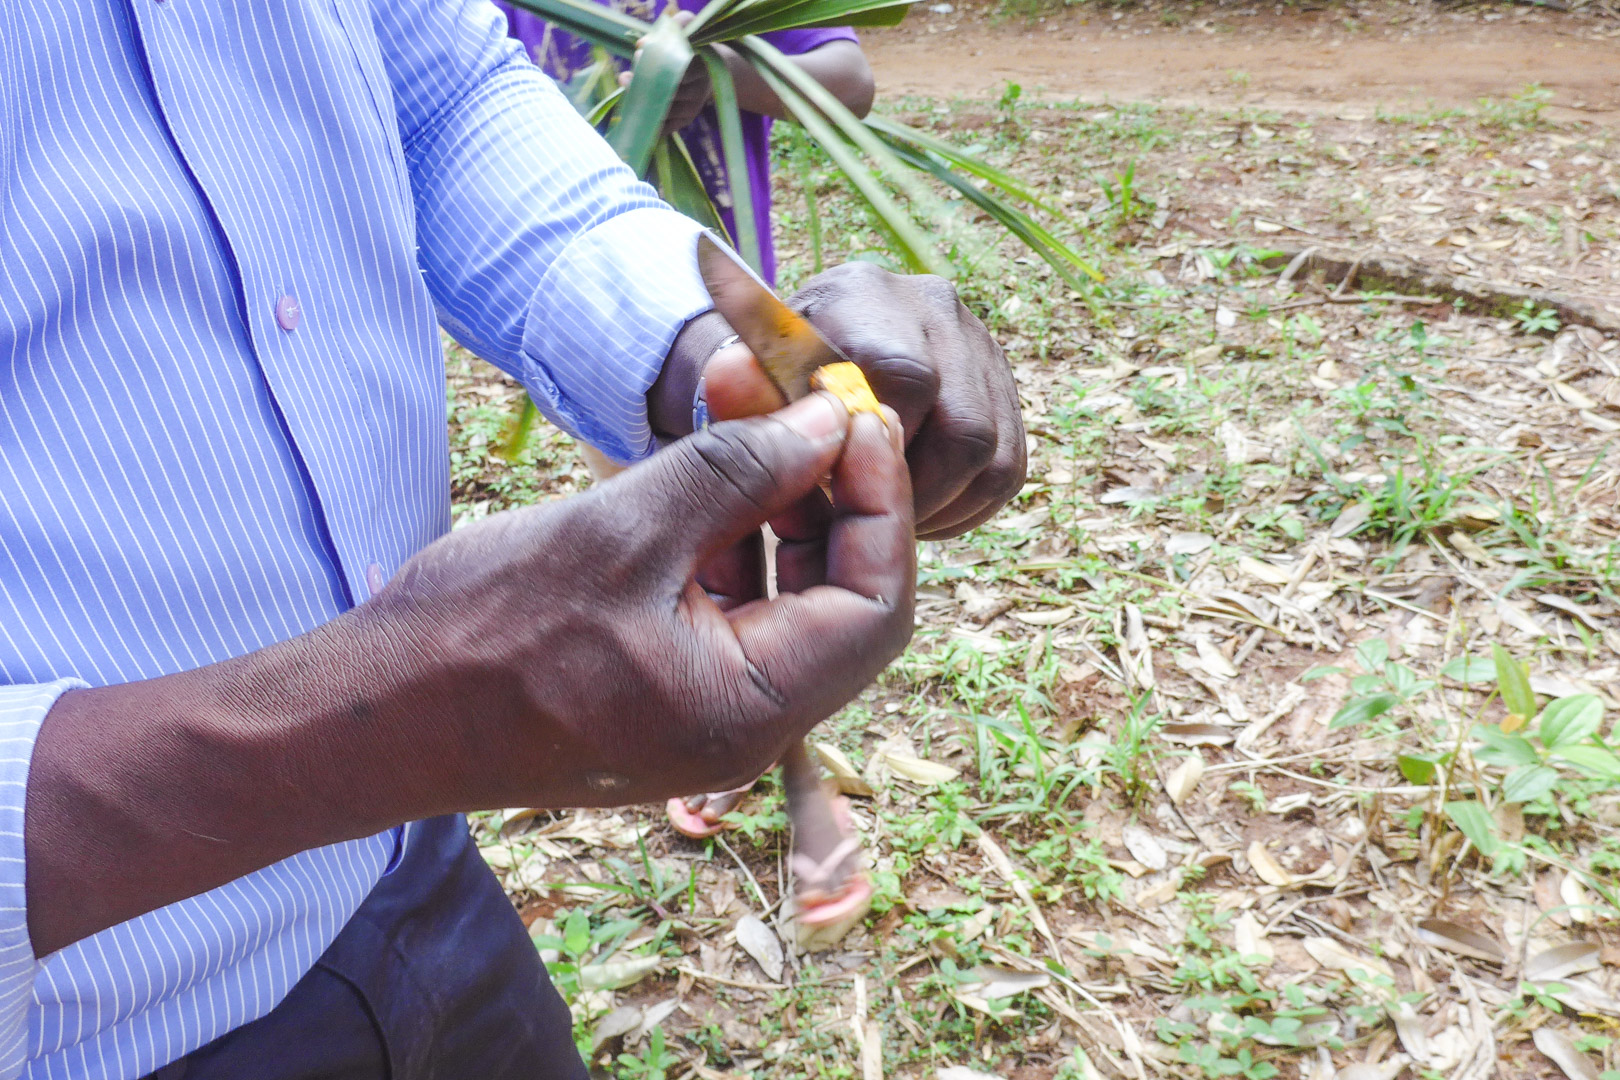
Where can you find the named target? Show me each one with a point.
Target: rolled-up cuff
(603, 320)
(22, 710)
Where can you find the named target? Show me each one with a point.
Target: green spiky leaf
(660, 65)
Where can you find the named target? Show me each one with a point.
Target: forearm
(145, 793)
(838, 65)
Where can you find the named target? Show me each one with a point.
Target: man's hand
(585, 614)
(926, 356)
(555, 656)
(933, 361)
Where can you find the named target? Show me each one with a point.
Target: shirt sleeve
(799, 42)
(543, 252)
(22, 709)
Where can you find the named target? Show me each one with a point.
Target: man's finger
(817, 647)
(706, 492)
(736, 576)
(956, 444)
(736, 386)
(869, 544)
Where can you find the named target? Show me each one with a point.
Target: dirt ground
(1346, 60)
(1198, 765)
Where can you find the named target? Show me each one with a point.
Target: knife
(787, 347)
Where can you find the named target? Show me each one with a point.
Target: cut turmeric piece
(846, 382)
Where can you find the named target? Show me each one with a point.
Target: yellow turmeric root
(846, 382)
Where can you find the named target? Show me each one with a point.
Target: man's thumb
(712, 488)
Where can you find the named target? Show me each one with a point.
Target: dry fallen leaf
(1360, 1070)
(1409, 1029)
(1118, 944)
(652, 1017)
(1469, 547)
(1183, 779)
(1214, 661)
(1351, 518)
(1561, 960)
(1447, 935)
(1262, 571)
(974, 925)
(1581, 994)
(992, 982)
(1556, 1045)
(1048, 617)
(1579, 901)
(621, 1021)
(758, 941)
(1330, 954)
(918, 770)
(1188, 543)
(1268, 869)
(1145, 848)
(962, 1072)
(617, 974)
(1570, 608)
(1190, 734)
(1519, 619)
(1250, 937)
(1575, 398)
(845, 776)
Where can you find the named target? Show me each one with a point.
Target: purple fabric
(563, 55)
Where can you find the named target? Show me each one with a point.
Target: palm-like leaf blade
(660, 65)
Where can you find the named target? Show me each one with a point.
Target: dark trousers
(434, 978)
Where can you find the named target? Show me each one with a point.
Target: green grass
(1370, 454)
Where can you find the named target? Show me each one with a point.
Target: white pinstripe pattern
(181, 480)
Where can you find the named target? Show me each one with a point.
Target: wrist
(671, 399)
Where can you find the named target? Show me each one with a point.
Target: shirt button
(288, 313)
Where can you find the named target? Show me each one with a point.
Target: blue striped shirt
(229, 232)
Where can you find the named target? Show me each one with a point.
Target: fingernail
(897, 430)
(818, 418)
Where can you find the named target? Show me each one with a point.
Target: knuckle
(907, 377)
(862, 270)
(974, 442)
(937, 291)
(1010, 468)
(855, 275)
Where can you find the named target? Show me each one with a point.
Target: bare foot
(827, 880)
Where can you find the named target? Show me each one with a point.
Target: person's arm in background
(832, 57)
(839, 65)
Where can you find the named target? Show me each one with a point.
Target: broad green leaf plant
(888, 164)
(1535, 756)
(880, 157)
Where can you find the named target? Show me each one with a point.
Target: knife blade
(787, 347)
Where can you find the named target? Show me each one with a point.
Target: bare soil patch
(1347, 60)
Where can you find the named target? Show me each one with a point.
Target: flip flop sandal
(817, 901)
(855, 892)
(692, 823)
